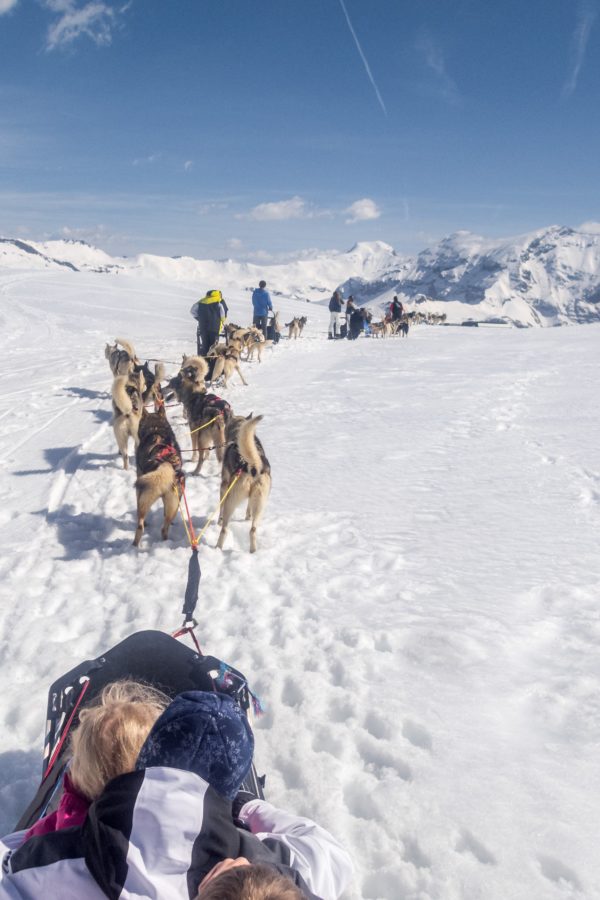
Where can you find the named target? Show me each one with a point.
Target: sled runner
(149, 656)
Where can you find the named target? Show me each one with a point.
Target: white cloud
(590, 227)
(94, 19)
(206, 209)
(295, 208)
(586, 14)
(362, 210)
(279, 211)
(7, 5)
(188, 165)
(235, 244)
(146, 160)
(434, 60)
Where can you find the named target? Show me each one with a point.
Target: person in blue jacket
(261, 301)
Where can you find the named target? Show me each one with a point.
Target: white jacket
(154, 834)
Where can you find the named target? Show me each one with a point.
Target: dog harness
(221, 406)
(160, 452)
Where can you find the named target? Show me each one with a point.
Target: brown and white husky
(246, 475)
(127, 406)
(159, 470)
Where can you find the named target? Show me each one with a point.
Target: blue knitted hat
(206, 733)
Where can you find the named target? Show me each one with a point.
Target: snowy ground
(421, 619)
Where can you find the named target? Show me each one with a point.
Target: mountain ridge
(547, 277)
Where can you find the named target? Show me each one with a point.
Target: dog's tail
(127, 347)
(121, 398)
(198, 363)
(247, 446)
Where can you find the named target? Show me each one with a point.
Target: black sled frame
(149, 656)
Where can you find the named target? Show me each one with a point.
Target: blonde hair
(111, 732)
(253, 882)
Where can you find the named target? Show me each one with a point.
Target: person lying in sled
(159, 831)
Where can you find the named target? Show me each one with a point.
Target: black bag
(343, 330)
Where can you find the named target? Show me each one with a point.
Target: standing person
(396, 309)
(210, 313)
(335, 308)
(261, 302)
(350, 308)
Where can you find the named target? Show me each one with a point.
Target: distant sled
(150, 656)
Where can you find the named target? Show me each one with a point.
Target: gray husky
(121, 362)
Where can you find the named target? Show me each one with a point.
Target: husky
(195, 369)
(294, 330)
(226, 364)
(152, 392)
(207, 417)
(296, 326)
(229, 330)
(159, 470)
(127, 406)
(234, 344)
(257, 346)
(246, 475)
(120, 361)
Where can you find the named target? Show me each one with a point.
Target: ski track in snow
(421, 617)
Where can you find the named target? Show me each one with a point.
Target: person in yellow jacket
(210, 313)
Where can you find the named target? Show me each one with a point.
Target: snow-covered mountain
(312, 277)
(547, 277)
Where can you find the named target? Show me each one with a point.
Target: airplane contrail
(363, 57)
(585, 19)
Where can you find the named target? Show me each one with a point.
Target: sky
(260, 130)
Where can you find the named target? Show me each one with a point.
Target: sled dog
(246, 475)
(152, 392)
(226, 364)
(207, 417)
(294, 329)
(296, 326)
(120, 361)
(127, 405)
(194, 369)
(159, 470)
(257, 346)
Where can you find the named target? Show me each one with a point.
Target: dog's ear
(248, 417)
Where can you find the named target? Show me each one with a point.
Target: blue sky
(259, 128)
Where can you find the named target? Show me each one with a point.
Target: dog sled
(149, 656)
(272, 334)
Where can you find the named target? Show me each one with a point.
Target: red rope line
(190, 631)
(194, 539)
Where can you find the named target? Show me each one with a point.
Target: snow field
(420, 618)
